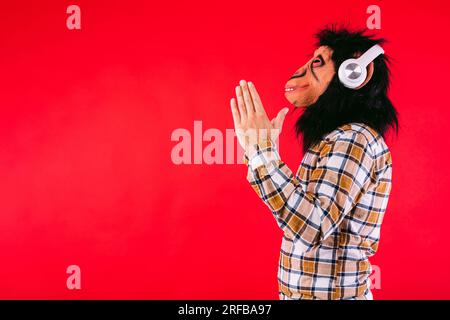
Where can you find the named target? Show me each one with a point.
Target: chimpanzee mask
(327, 103)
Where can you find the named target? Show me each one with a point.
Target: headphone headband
(370, 55)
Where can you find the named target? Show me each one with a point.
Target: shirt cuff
(262, 154)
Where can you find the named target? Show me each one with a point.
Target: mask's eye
(317, 62)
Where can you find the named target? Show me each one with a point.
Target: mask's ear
(369, 75)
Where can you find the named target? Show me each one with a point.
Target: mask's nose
(299, 73)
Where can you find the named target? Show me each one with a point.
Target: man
(331, 210)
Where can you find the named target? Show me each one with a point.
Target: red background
(85, 126)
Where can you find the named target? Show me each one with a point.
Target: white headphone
(352, 72)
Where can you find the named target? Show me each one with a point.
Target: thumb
(277, 122)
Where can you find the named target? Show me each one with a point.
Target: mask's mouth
(294, 88)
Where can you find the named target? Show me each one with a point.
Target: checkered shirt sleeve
(339, 179)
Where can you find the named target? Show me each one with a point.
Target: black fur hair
(339, 105)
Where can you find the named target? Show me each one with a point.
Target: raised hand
(250, 119)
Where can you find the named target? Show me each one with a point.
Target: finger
(255, 98)
(240, 103)
(247, 99)
(279, 119)
(235, 112)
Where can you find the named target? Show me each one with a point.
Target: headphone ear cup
(351, 73)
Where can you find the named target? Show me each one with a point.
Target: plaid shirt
(330, 211)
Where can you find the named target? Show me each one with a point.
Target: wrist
(260, 153)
